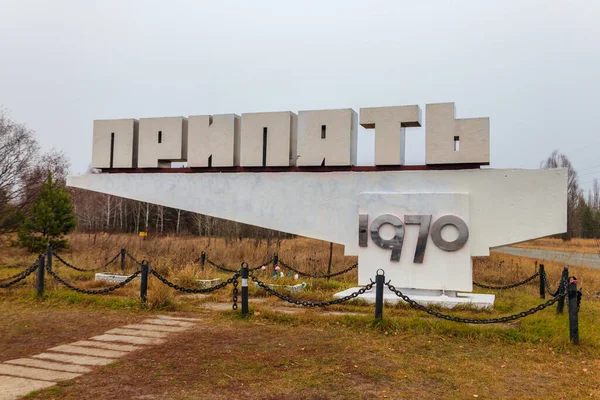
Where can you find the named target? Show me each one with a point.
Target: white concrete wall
(442, 128)
(505, 205)
(125, 143)
(339, 146)
(174, 141)
(389, 124)
(281, 139)
(217, 136)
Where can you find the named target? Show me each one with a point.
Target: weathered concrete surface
(156, 328)
(168, 322)
(30, 362)
(565, 257)
(137, 332)
(12, 387)
(178, 318)
(128, 339)
(74, 359)
(86, 351)
(108, 346)
(36, 373)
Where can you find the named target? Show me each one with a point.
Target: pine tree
(50, 218)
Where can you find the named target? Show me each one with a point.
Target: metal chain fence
(68, 264)
(19, 277)
(513, 285)
(350, 268)
(306, 303)
(194, 290)
(508, 318)
(221, 267)
(93, 291)
(132, 258)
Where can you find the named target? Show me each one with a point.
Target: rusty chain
(513, 285)
(453, 318)
(93, 291)
(19, 277)
(194, 290)
(306, 303)
(68, 264)
(350, 268)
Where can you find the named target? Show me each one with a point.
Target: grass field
(283, 351)
(589, 246)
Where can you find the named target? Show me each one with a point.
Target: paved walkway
(24, 375)
(564, 257)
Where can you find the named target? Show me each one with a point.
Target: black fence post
(40, 276)
(275, 262)
(123, 252)
(564, 281)
(542, 272)
(379, 281)
(573, 312)
(244, 288)
(144, 282)
(202, 260)
(49, 256)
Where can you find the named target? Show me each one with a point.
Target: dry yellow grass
(590, 246)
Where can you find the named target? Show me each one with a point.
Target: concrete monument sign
(297, 174)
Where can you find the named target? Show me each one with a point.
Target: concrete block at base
(36, 373)
(428, 297)
(31, 362)
(13, 387)
(112, 278)
(86, 351)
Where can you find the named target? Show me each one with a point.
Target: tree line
(31, 181)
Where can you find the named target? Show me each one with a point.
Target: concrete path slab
(86, 351)
(107, 346)
(168, 322)
(137, 332)
(12, 387)
(563, 257)
(36, 373)
(178, 318)
(128, 339)
(74, 359)
(157, 328)
(30, 362)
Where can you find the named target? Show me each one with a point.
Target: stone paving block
(86, 351)
(157, 328)
(128, 339)
(30, 362)
(12, 387)
(107, 346)
(178, 318)
(36, 373)
(137, 332)
(74, 359)
(167, 322)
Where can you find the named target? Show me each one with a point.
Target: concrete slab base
(178, 318)
(30, 362)
(74, 359)
(107, 346)
(156, 328)
(86, 351)
(137, 332)
(36, 373)
(13, 387)
(128, 339)
(428, 297)
(170, 322)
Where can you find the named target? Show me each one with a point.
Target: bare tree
(574, 194)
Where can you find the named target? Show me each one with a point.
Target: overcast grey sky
(533, 67)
